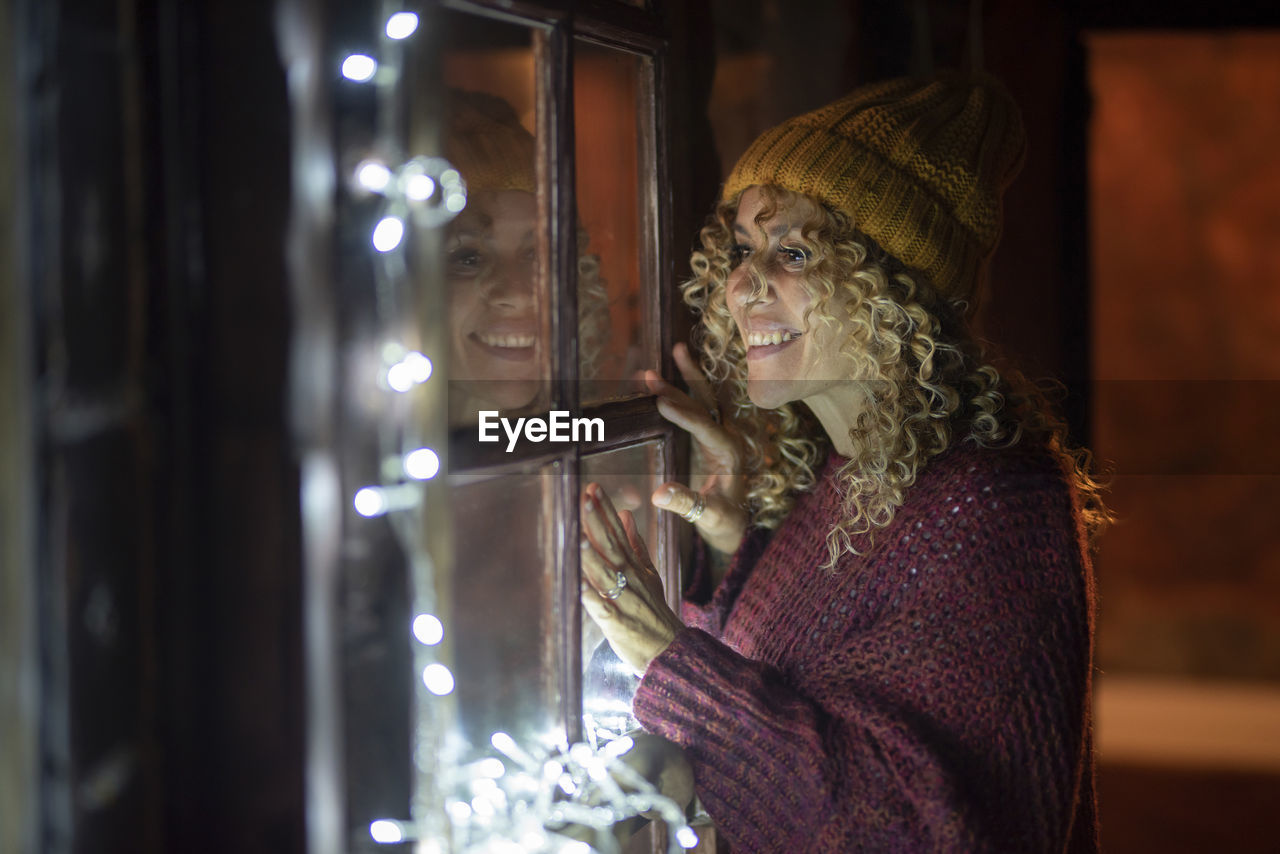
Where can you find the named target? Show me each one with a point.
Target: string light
(386, 831)
(388, 233)
(511, 806)
(438, 679)
(401, 25)
(428, 629)
(373, 175)
(371, 501)
(359, 68)
(422, 464)
(522, 808)
(413, 368)
(419, 187)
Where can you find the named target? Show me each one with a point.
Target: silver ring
(619, 584)
(699, 507)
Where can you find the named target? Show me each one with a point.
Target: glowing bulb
(438, 679)
(503, 742)
(359, 67)
(686, 837)
(419, 187)
(401, 25)
(419, 366)
(428, 630)
(618, 746)
(388, 233)
(400, 377)
(576, 847)
(491, 767)
(422, 464)
(385, 831)
(373, 176)
(459, 811)
(369, 502)
(455, 202)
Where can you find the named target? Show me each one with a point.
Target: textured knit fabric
(929, 696)
(920, 166)
(486, 142)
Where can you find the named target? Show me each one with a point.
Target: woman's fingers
(605, 580)
(720, 522)
(693, 376)
(633, 537)
(603, 527)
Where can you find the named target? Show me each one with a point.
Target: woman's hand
(721, 488)
(621, 591)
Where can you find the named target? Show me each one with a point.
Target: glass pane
(629, 476)
(615, 238)
(505, 648)
(497, 305)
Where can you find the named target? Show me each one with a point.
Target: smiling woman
(894, 651)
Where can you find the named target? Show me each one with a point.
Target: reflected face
(491, 264)
(791, 355)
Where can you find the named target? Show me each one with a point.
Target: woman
(497, 358)
(893, 652)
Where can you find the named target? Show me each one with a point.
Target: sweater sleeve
(952, 721)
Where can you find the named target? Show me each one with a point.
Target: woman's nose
(512, 286)
(749, 285)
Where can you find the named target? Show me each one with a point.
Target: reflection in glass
(498, 353)
(629, 476)
(614, 190)
(503, 629)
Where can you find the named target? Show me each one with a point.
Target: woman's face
(790, 356)
(491, 261)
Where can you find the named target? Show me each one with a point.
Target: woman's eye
(793, 256)
(464, 261)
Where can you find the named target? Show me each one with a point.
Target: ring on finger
(699, 507)
(619, 584)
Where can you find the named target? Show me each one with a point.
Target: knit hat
(919, 165)
(485, 141)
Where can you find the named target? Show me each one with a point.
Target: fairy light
(386, 831)
(401, 25)
(370, 502)
(438, 679)
(359, 68)
(491, 767)
(412, 369)
(419, 366)
(373, 175)
(422, 464)
(419, 187)
(686, 837)
(388, 233)
(429, 631)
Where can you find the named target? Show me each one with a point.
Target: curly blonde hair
(928, 380)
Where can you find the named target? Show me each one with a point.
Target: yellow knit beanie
(919, 165)
(485, 141)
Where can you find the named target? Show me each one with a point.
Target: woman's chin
(503, 395)
(768, 394)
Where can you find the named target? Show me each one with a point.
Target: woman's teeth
(763, 339)
(506, 340)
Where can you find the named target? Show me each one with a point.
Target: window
(484, 360)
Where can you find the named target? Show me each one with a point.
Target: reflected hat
(485, 141)
(920, 166)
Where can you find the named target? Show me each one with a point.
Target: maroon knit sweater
(931, 695)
